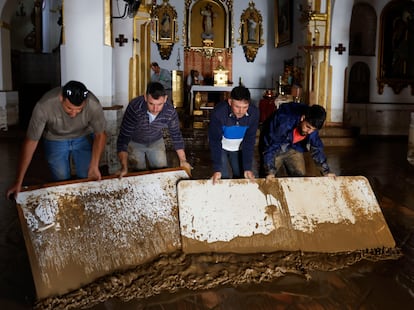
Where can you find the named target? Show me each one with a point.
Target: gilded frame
(395, 65)
(164, 19)
(223, 24)
(283, 22)
(251, 31)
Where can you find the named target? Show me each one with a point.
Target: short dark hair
(316, 116)
(75, 91)
(154, 64)
(156, 90)
(240, 93)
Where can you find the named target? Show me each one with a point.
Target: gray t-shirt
(50, 119)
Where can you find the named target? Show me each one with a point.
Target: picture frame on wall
(203, 14)
(165, 24)
(396, 66)
(283, 22)
(164, 21)
(251, 32)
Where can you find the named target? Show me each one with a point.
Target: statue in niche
(208, 19)
(165, 26)
(251, 30)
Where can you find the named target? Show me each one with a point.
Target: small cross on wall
(121, 40)
(340, 49)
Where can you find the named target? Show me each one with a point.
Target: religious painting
(165, 27)
(251, 31)
(396, 48)
(164, 19)
(283, 22)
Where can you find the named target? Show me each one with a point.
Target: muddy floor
(365, 284)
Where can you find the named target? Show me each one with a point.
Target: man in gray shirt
(162, 76)
(71, 121)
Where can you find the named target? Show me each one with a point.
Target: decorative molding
(108, 35)
(283, 22)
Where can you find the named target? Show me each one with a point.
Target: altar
(206, 88)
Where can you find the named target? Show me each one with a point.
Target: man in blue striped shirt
(141, 134)
(232, 136)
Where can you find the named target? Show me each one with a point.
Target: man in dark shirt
(232, 136)
(291, 131)
(141, 133)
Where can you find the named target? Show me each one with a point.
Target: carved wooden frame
(283, 22)
(251, 42)
(224, 7)
(165, 35)
(395, 56)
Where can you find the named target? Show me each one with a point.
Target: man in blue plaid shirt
(141, 134)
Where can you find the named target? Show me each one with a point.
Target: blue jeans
(231, 164)
(60, 152)
(155, 154)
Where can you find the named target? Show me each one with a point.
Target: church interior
(351, 57)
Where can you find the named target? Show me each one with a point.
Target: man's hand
(248, 174)
(94, 174)
(186, 166)
(121, 173)
(123, 159)
(270, 178)
(216, 176)
(13, 191)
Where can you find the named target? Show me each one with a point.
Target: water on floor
(365, 285)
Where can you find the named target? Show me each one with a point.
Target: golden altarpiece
(208, 42)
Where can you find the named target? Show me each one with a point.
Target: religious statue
(165, 26)
(208, 16)
(251, 30)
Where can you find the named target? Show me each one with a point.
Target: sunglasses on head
(83, 94)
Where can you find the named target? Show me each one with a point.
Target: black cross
(340, 49)
(121, 40)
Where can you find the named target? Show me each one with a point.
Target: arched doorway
(358, 89)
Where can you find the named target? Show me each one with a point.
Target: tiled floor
(365, 286)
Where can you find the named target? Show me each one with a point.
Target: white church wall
(84, 57)
(122, 25)
(341, 15)
(387, 113)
